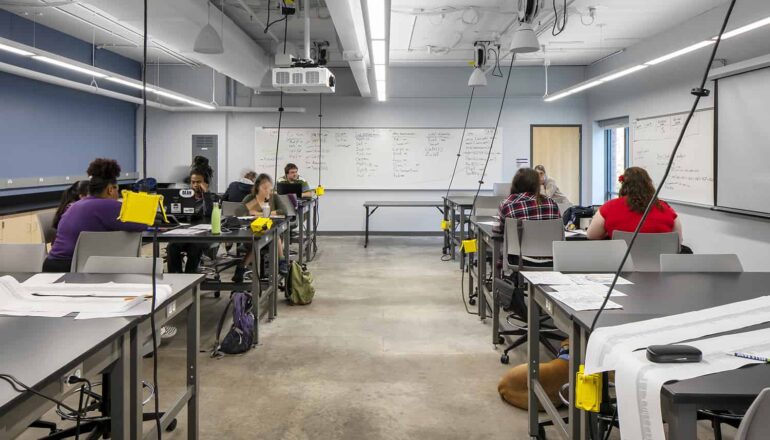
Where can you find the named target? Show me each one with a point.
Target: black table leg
(366, 239)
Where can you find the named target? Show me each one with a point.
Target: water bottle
(216, 219)
(265, 209)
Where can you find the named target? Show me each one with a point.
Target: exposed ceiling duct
(348, 18)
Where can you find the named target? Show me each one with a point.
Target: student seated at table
(625, 212)
(238, 190)
(96, 213)
(194, 251)
(548, 186)
(260, 199)
(527, 203)
(76, 191)
(291, 175)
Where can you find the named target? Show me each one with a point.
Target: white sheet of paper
(488, 223)
(575, 233)
(583, 300)
(37, 314)
(638, 381)
(43, 278)
(183, 231)
(548, 278)
(596, 278)
(598, 289)
(608, 344)
(140, 309)
(202, 227)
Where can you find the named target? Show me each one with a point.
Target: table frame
(395, 204)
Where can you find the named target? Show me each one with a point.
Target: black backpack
(240, 337)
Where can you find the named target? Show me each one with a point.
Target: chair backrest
(105, 244)
(230, 209)
(45, 224)
(599, 256)
(131, 265)
(501, 189)
(700, 263)
(563, 207)
(537, 237)
(488, 205)
(756, 422)
(22, 257)
(649, 247)
(285, 203)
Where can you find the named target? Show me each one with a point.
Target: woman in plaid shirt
(525, 201)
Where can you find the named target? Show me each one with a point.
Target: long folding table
(372, 206)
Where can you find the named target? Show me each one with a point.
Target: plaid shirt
(525, 207)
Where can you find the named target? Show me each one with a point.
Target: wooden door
(557, 148)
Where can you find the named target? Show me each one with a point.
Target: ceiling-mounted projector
(303, 79)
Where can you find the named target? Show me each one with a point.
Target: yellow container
(260, 225)
(470, 246)
(319, 191)
(141, 207)
(444, 225)
(588, 390)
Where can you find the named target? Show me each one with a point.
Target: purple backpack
(240, 338)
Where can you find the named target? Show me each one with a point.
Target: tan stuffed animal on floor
(553, 374)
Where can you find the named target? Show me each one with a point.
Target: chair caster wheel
(500, 340)
(217, 294)
(171, 426)
(541, 433)
(504, 359)
(472, 301)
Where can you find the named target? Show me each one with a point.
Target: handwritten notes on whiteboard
(692, 176)
(385, 158)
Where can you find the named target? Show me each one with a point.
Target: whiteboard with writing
(692, 176)
(384, 158)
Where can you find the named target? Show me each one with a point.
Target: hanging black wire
(559, 28)
(320, 138)
(280, 107)
(269, 23)
(699, 93)
(462, 140)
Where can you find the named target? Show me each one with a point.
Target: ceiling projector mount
(524, 39)
(297, 75)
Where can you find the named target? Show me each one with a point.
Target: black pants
(57, 266)
(194, 252)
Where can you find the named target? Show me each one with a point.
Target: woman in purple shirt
(96, 213)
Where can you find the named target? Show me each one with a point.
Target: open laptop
(178, 202)
(289, 188)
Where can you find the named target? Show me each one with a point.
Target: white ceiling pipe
(255, 18)
(241, 109)
(348, 19)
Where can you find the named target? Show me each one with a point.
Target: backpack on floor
(299, 285)
(240, 337)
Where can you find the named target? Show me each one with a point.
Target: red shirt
(619, 217)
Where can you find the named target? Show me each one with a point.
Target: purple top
(92, 214)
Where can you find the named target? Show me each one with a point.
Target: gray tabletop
(405, 203)
(38, 350)
(242, 235)
(486, 229)
(462, 201)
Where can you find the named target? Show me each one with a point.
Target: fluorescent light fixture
(378, 51)
(185, 100)
(742, 29)
(381, 96)
(625, 72)
(379, 72)
(573, 91)
(680, 52)
(69, 66)
(128, 83)
(12, 49)
(376, 19)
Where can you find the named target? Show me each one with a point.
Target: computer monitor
(178, 202)
(289, 188)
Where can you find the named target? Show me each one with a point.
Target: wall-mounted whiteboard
(384, 158)
(692, 176)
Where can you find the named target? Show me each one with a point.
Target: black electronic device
(673, 354)
(289, 188)
(178, 202)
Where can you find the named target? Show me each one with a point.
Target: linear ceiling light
(680, 52)
(573, 91)
(379, 72)
(743, 29)
(69, 66)
(12, 49)
(378, 49)
(381, 92)
(376, 19)
(625, 72)
(185, 100)
(128, 83)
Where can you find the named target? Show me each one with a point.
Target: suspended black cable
(280, 108)
(699, 93)
(559, 28)
(320, 138)
(462, 140)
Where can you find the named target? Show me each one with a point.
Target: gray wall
(417, 97)
(665, 89)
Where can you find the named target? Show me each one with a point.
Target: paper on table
(202, 227)
(608, 344)
(575, 233)
(43, 278)
(547, 278)
(488, 223)
(37, 314)
(638, 381)
(140, 309)
(583, 300)
(597, 289)
(597, 278)
(183, 231)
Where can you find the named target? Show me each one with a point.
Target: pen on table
(753, 357)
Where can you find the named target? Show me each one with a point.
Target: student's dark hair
(637, 187)
(289, 166)
(540, 168)
(527, 180)
(102, 173)
(69, 196)
(251, 175)
(258, 181)
(200, 166)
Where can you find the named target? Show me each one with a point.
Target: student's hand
(205, 187)
(273, 213)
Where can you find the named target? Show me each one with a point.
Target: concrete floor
(386, 351)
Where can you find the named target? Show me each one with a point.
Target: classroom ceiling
(442, 32)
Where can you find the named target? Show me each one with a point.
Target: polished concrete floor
(386, 351)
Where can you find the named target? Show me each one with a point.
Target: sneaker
(239, 272)
(167, 331)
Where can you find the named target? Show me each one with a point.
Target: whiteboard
(384, 158)
(692, 176)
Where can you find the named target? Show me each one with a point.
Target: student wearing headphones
(549, 187)
(96, 213)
